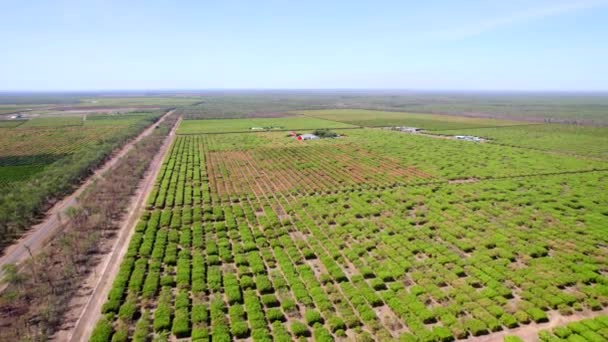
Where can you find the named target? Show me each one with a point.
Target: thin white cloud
(527, 15)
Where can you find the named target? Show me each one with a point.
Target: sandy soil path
(86, 307)
(38, 235)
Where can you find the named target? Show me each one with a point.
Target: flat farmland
(375, 118)
(376, 235)
(135, 101)
(247, 163)
(41, 147)
(574, 139)
(13, 108)
(53, 121)
(246, 125)
(41, 141)
(42, 158)
(11, 123)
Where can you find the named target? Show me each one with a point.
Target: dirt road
(96, 288)
(39, 234)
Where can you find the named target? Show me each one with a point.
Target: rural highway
(38, 235)
(101, 281)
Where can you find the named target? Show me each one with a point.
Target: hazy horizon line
(325, 90)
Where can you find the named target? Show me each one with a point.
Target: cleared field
(582, 140)
(373, 118)
(41, 159)
(259, 237)
(246, 125)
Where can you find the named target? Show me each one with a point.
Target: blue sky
(433, 45)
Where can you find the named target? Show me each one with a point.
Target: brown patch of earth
(390, 320)
(297, 235)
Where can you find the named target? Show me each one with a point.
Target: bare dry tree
(37, 295)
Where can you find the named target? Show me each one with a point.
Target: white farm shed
(308, 137)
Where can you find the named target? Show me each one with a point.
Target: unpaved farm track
(89, 312)
(38, 235)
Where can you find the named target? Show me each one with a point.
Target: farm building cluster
(317, 134)
(404, 129)
(469, 138)
(307, 136)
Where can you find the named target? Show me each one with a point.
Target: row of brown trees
(22, 204)
(33, 305)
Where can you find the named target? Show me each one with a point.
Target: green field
(582, 140)
(11, 123)
(373, 235)
(89, 120)
(44, 157)
(246, 125)
(372, 118)
(376, 235)
(11, 108)
(51, 122)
